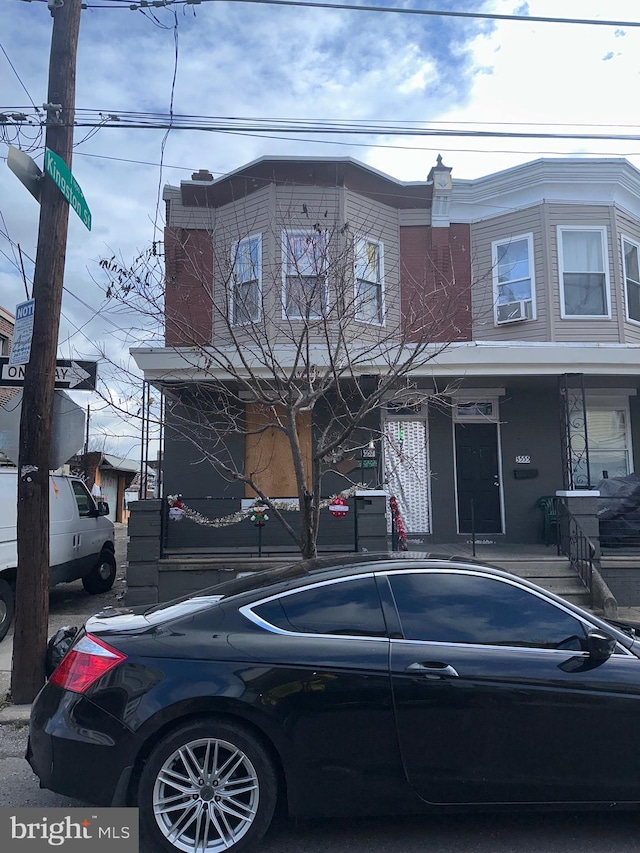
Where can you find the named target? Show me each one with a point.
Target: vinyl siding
(542, 221)
(483, 235)
(250, 215)
(187, 217)
(626, 226)
(368, 218)
(575, 330)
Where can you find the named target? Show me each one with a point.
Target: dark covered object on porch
(619, 511)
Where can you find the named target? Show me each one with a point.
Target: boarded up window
(267, 454)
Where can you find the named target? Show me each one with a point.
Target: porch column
(583, 506)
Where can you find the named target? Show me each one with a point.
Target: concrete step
(620, 561)
(555, 575)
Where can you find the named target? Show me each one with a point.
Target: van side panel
(8, 518)
(75, 540)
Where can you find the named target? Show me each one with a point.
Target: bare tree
(291, 336)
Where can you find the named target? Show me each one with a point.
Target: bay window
(305, 264)
(246, 281)
(369, 293)
(513, 279)
(584, 281)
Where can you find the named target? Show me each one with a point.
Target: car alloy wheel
(208, 787)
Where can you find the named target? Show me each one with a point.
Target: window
(453, 607)
(631, 269)
(349, 607)
(583, 273)
(513, 279)
(246, 281)
(84, 500)
(369, 293)
(304, 256)
(608, 438)
(4, 346)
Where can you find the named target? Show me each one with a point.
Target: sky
(249, 60)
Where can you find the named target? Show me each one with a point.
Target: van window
(84, 500)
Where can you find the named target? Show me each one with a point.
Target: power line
(337, 127)
(155, 5)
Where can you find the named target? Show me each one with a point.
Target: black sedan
(366, 684)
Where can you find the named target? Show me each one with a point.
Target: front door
(478, 478)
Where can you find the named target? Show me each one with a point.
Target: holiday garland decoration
(398, 523)
(179, 510)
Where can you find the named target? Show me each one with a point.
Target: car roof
(327, 567)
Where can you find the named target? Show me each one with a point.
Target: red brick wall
(6, 329)
(435, 276)
(189, 287)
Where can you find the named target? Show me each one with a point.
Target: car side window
(450, 607)
(349, 607)
(83, 498)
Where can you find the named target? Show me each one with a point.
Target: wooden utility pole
(32, 581)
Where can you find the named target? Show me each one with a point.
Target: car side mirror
(600, 645)
(103, 508)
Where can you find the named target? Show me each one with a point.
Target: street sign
(22, 332)
(67, 184)
(67, 429)
(26, 170)
(72, 375)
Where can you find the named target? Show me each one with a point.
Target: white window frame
(634, 243)
(611, 400)
(561, 271)
(322, 274)
(360, 242)
(235, 253)
(497, 285)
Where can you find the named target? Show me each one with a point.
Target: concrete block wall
(143, 554)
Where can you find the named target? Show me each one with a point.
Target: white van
(81, 539)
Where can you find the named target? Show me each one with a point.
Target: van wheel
(102, 575)
(7, 603)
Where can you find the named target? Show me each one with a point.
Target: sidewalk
(20, 713)
(69, 605)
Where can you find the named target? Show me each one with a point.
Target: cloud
(290, 63)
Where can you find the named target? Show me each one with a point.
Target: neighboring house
(113, 475)
(532, 274)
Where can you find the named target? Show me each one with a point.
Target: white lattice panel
(406, 462)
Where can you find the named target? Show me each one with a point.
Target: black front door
(478, 478)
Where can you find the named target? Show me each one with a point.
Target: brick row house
(526, 283)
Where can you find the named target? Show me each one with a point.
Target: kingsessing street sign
(70, 374)
(67, 184)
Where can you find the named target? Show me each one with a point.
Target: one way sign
(70, 374)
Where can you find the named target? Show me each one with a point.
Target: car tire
(102, 575)
(7, 606)
(224, 799)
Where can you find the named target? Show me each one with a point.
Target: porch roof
(460, 359)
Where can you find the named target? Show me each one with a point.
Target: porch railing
(244, 537)
(576, 545)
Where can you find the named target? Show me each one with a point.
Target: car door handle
(431, 668)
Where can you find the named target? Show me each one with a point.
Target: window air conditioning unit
(522, 309)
